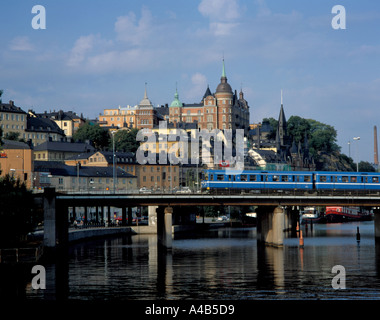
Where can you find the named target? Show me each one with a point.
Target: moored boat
(310, 215)
(343, 214)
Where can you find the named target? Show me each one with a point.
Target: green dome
(176, 102)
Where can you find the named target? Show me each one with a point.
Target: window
(345, 179)
(306, 178)
(284, 178)
(275, 178)
(243, 177)
(220, 177)
(252, 178)
(375, 179)
(323, 179)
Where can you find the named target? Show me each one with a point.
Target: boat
(310, 215)
(343, 214)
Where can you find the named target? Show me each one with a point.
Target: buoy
(301, 239)
(357, 234)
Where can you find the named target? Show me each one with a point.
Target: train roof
(346, 173)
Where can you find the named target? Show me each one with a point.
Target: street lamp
(357, 157)
(113, 161)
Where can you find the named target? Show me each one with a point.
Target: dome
(145, 101)
(223, 86)
(176, 102)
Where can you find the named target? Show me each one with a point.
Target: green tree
(95, 133)
(365, 166)
(273, 123)
(125, 140)
(298, 127)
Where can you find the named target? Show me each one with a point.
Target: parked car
(184, 190)
(145, 190)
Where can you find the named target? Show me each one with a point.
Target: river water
(220, 264)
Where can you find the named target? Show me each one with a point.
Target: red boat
(343, 214)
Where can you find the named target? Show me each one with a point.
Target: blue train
(290, 180)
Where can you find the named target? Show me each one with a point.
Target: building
(221, 110)
(16, 159)
(12, 119)
(68, 121)
(60, 150)
(163, 177)
(82, 178)
(39, 130)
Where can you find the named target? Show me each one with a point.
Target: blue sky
(99, 54)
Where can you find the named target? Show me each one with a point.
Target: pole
(113, 161)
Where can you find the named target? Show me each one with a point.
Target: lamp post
(113, 161)
(357, 156)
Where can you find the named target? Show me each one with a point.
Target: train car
(326, 180)
(290, 180)
(257, 180)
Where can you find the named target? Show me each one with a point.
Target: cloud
(223, 15)
(82, 46)
(134, 32)
(21, 43)
(196, 89)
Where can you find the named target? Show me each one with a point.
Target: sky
(97, 54)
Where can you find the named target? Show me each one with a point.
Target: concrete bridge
(277, 211)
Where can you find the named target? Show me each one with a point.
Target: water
(222, 264)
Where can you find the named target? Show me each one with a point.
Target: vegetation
(17, 214)
(125, 140)
(94, 133)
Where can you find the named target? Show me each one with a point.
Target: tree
(125, 140)
(16, 211)
(95, 133)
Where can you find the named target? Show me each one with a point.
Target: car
(145, 190)
(222, 218)
(184, 190)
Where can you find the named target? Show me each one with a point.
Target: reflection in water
(221, 264)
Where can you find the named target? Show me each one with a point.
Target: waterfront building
(16, 159)
(221, 110)
(81, 178)
(60, 150)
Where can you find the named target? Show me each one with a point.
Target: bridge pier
(376, 217)
(164, 227)
(270, 226)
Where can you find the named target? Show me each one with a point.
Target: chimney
(11, 102)
(375, 146)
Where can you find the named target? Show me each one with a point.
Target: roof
(56, 168)
(176, 102)
(10, 107)
(60, 115)
(42, 124)
(76, 147)
(11, 144)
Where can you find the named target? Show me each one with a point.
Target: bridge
(277, 211)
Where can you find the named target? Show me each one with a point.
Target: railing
(20, 255)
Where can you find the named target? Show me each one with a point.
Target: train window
(264, 178)
(252, 177)
(306, 178)
(220, 177)
(375, 179)
(323, 179)
(284, 178)
(275, 178)
(344, 179)
(243, 177)
(206, 176)
(353, 179)
(211, 177)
